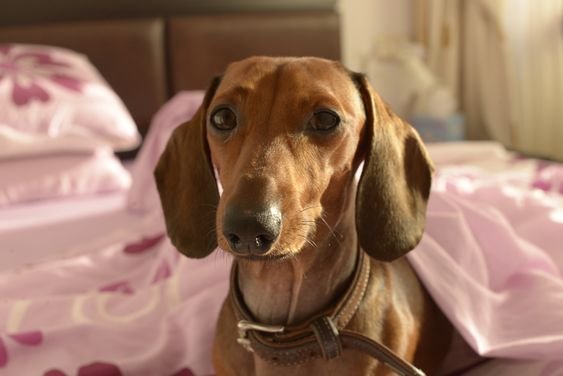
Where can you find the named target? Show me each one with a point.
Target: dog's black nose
(249, 231)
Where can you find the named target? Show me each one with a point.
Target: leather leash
(323, 336)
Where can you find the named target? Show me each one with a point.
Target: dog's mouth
(276, 257)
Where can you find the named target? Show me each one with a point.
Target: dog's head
(285, 136)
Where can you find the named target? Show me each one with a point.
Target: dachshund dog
(319, 285)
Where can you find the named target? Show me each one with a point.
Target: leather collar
(322, 336)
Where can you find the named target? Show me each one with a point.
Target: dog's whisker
(221, 257)
(335, 234)
(212, 230)
(307, 239)
(307, 222)
(310, 207)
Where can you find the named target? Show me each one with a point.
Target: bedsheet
(111, 296)
(492, 255)
(88, 288)
(43, 230)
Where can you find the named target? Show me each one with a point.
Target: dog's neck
(291, 291)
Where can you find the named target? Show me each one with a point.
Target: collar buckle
(244, 326)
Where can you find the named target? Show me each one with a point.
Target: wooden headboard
(150, 50)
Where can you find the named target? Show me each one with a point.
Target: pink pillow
(53, 99)
(143, 196)
(58, 176)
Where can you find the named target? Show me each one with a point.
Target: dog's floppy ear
(395, 182)
(187, 187)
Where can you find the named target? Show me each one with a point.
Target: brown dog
(286, 136)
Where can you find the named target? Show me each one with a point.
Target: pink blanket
(492, 255)
(121, 301)
(124, 302)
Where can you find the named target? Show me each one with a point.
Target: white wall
(363, 21)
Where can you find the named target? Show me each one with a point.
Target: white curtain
(535, 30)
(504, 61)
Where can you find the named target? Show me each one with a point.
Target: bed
(90, 284)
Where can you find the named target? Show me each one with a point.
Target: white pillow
(53, 99)
(58, 176)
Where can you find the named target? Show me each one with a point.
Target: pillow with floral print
(60, 176)
(54, 100)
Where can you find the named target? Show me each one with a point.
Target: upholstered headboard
(148, 51)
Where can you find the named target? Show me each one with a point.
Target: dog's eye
(324, 121)
(224, 119)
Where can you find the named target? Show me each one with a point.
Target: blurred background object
(397, 69)
(479, 70)
(501, 60)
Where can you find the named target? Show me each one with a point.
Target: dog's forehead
(303, 75)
